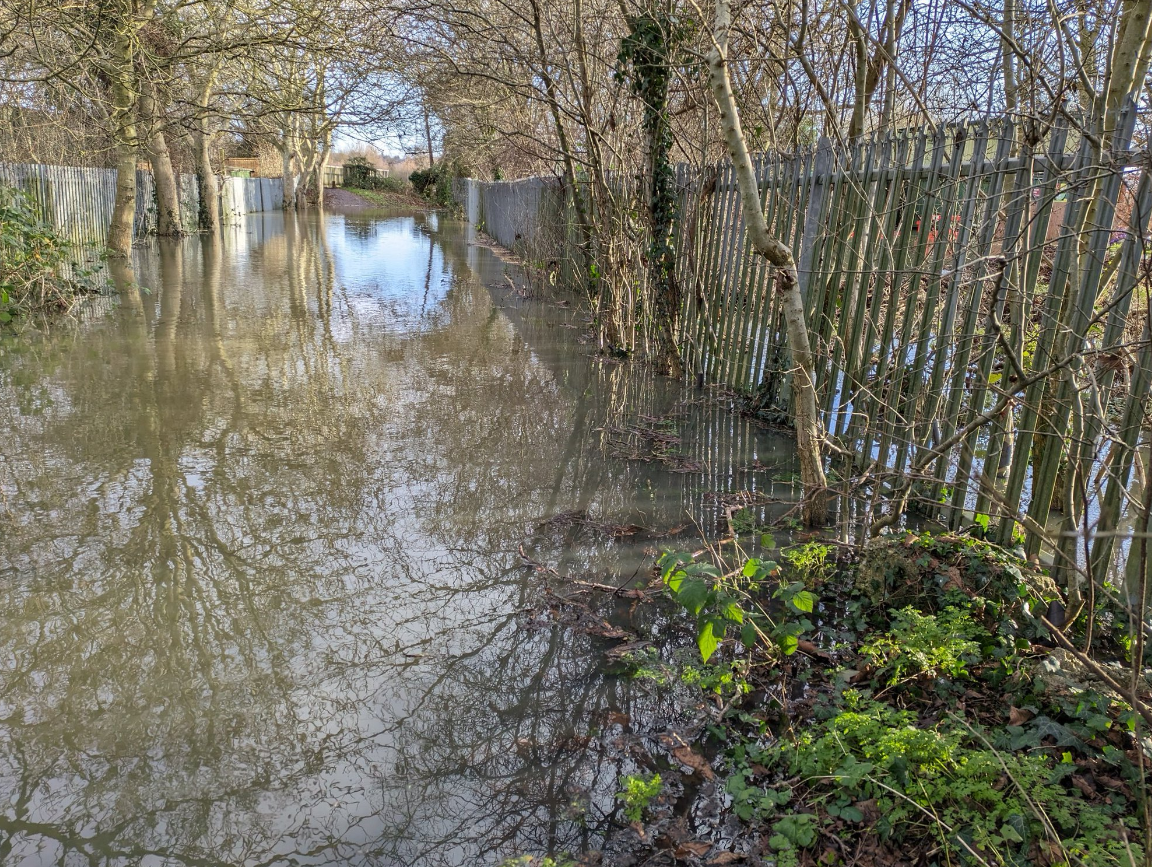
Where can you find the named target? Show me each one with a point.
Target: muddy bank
(346, 200)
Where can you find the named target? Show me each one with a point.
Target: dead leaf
(1018, 716)
(695, 761)
(1081, 783)
(696, 848)
(805, 646)
(725, 858)
(870, 810)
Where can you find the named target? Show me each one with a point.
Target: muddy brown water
(263, 602)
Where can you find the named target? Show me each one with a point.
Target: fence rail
(950, 278)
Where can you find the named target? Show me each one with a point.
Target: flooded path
(259, 555)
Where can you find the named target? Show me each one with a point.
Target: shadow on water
(259, 556)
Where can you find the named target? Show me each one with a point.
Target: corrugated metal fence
(78, 202)
(937, 265)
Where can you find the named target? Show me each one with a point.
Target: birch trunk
(806, 419)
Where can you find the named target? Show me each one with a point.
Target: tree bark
(124, 121)
(1130, 58)
(206, 183)
(806, 419)
(168, 222)
(428, 136)
(289, 177)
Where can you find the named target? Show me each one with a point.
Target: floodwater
(260, 572)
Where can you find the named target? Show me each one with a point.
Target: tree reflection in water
(263, 603)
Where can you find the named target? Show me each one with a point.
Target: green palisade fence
(938, 265)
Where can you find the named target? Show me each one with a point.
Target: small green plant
(637, 794)
(719, 601)
(926, 645)
(39, 273)
(946, 778)
(809, 562)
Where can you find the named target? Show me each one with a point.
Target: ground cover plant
(906, 705)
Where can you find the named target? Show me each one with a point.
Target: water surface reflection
(263, 601)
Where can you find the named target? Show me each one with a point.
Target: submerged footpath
(911, 703)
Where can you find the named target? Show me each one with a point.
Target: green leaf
(1010, 833)
(750, 567)
(693, 593)
(779, 842)
(851, 814)
(767, 541)
(732, 611)
(748, 635)
(706, 640)
(804, 601)
(788, 643)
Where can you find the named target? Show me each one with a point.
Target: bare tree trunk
(1130, 57)
(289, 176)
(168, 221)
(861, 96)
(124, 119)
(206, 183)
(572, 187)
(325, 152)
(808, 436)
(205, 178)
(124, 209)
(428, 136)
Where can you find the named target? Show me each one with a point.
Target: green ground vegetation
(41, 272)
(937, 723)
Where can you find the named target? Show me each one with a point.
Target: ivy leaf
(1010, 833)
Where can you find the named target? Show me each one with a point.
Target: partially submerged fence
(978, 305)
(78, 202)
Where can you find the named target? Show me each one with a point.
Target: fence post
(821, 174)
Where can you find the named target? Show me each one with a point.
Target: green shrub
(434, 183)
(926, 644)
(38, 270)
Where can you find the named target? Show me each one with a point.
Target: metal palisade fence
(978, 303)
